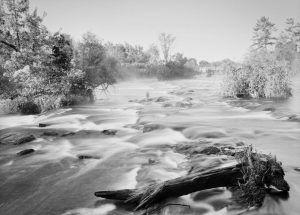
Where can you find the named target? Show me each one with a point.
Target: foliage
(176, 69)
(39, 68)
(263, 34)
(166, 42)
(266, 73)
(259, 171)
(260, 77)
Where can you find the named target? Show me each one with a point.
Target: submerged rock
(294, 118)
(270, 109)
(50, 133)
(109, 132)
(297, 169)
(210, 150)
(25, 152)
(68, 134)
(183, 104)
(83, 157)
(42, 125)
(161, 99)
(16, 138)
(152, 127)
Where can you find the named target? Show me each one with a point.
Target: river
(53, 181)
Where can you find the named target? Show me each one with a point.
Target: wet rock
(269, 109)
(188, 99)
(68, 134)
(294, 118)
(84, 157)
(42, 125)
(16, 138)
(240, 144)
(151, 161)
(183, 104)
(109, 132)
(167, 105)
(161, 99)
(50, 133)
(25, 152)
(152, 127)
(297, 169)
(210, 150)
(197, 132)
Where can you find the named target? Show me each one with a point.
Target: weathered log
(155, 193)
(253, 175)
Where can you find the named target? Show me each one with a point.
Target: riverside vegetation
(41, 70)
(270, 64)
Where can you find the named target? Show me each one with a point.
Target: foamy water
(53, 180)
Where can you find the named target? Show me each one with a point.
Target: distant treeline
(41, 70)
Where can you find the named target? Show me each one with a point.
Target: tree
(166, 42)
(153, 53)
(293, 32)
(263, 34)
(91, 59)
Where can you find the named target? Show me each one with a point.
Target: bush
(260, 77)
(29, 107)
(175, 70)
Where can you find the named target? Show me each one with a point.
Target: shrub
(260, 77)
(29, 107)
(175, 70)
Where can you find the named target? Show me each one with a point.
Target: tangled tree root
(253, 175)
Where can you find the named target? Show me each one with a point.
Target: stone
(270, 109)
(42, 125)
(50, 133)
(68, 134)
(152, 127)
(83, 157)
(109, 132)
(210, 150)
(25, 152)
(16, 138)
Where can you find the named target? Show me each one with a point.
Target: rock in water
(25, 152)
(50, 133)
(42, 125)
(83, 157)
(109, 132)
(16, 138)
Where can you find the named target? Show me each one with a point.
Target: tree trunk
(155, 193)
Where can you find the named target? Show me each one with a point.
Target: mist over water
(53, 180)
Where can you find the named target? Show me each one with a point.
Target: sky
(204, 29)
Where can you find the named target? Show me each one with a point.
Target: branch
(9, 45)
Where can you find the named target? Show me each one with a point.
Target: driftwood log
(253, 175)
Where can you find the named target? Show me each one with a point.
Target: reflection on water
(53, 180)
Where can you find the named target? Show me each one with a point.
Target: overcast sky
(204, 29)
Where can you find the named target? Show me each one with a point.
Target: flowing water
(53, 181)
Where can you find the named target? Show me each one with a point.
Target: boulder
(16, 138)
(50, 133)
(109, 132)
(25, 152)
(83, 157)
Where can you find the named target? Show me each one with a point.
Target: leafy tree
(91, 59)
(153, 53)
(263, 34)
(166, 42)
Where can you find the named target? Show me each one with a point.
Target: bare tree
(166, 42)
